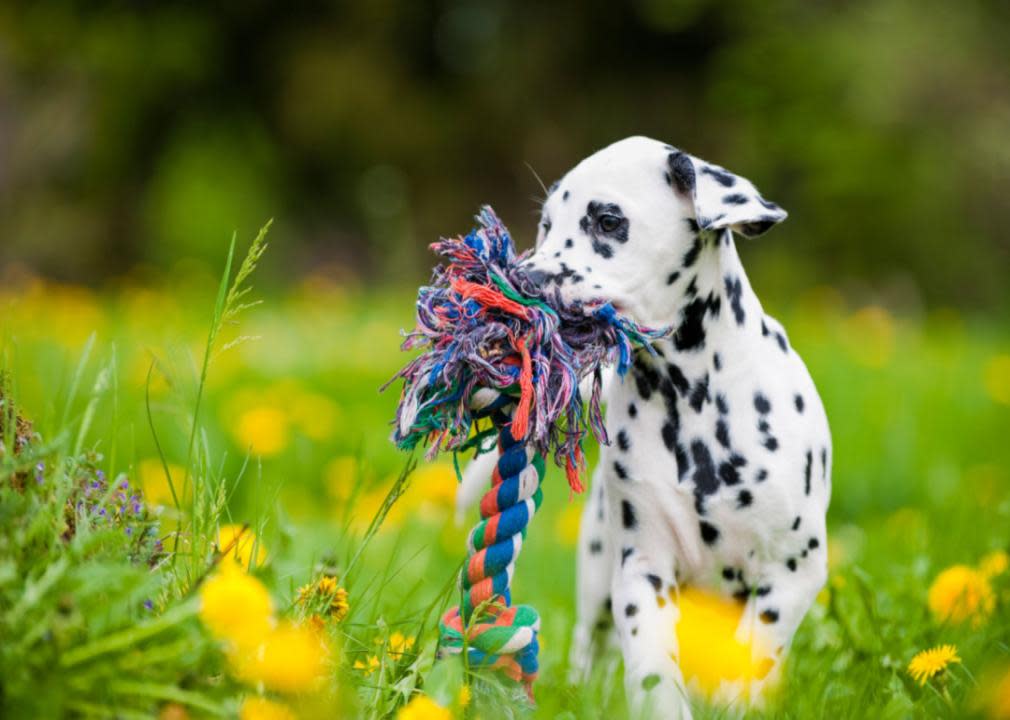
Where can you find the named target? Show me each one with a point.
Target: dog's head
(624, 224)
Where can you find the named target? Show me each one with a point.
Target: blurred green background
(134, 134)
(136, 137)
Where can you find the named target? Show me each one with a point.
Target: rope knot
(493, 632)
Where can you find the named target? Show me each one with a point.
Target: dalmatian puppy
(718, 475)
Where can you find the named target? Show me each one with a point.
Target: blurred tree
(133, 132)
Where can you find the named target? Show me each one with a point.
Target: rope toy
(498, 346)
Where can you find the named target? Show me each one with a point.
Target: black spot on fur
(655, 581)
(722, 432)
(728, 573)
(630, 610)
(669, 435)
(565, 195)
(734, 293)
(623, 442)
(699, 395)
(681, 172)
(690, 334)
(620, 471)
(761, 476)
(716, 361)
(672, 277)
(625, 554)
(824, 462)
(762, 404)
(806, 473)
(677, 378)
(720, 403)
(722, 177)
(771, 443)
(763, 590)
(691, 256)
(706, 481)
(602, 249)
(781, 339)
(744, 499)
(569, 243)
(798, 401)
(681, 454)
(632, 410)
(769, 616)
(595, 547)
(735, 199)
(628, 518)
(646, 378)
(814, 543)
(796, 522)
(709, 533)
(729, 474)
(791, 564)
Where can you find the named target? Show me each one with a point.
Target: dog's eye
(608, 223)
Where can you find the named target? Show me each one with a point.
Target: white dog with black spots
(719, 471)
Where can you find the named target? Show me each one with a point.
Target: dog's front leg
(595, 558)
(645, 615)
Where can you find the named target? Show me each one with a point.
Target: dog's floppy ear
(721, 199)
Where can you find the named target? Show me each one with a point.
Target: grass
(278, 425)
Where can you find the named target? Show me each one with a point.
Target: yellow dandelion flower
(317, 624)
(327, 585)
(996, 378)
(173, 711)
(993, 564)
(709, 649)
(290, 659)
(236, 607)
(155, 485)
(997, 697)
(399, 644)
(305, 592)
(339, 605)
(566, 528)
(422, 707)
(237, 542)
(263, 430)
(340, 475)
(367, 666)
(929, 663)
(959, 594)
(259, 708)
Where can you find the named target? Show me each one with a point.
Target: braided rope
(501, 636)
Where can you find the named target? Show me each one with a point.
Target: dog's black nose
(538, 277)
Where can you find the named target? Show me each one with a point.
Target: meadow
(265, 500)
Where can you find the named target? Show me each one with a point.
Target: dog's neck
(711, 303)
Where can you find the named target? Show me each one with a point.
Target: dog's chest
(726, 454)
